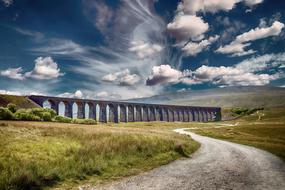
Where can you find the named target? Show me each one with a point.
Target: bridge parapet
(119, 111)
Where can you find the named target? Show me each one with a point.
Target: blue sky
(120, 49)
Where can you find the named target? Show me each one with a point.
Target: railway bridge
(120, 111)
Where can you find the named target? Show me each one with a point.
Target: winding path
(216, 165)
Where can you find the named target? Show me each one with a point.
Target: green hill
(20, 101)
(250, 96)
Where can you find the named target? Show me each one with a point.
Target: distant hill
(249, 96)
(20, 101)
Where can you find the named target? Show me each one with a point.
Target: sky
(122, 49)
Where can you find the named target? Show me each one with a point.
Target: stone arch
(113, 113)
(123, 113)
(138, 113)
(61, 108)
(151, 113)
(185, 115)
(164, 114)
(158, 114)
(52, 104)
(102, 113)
(170, 115)
(81, 109)
(74, 110)
(131, 113)
(180, 115)
(86, 110)
(92, 110)
(145, 113)
(175, 115)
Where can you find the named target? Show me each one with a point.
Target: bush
(26, 115)
(46, 116)
(12, 107)
(84, 121)
(5, 113)
(62, 119)
(42, 111)
(245, 111)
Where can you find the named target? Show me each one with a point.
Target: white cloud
(45, 68)
(123, 78)
(259, 33)
(237, 47)
(15, 73)
(231, 76)
(76, 94)
(186, 27)
(145, 50)
(192, 48)
(163, 74)
(7, 3)
(251, 71)
(212, 6)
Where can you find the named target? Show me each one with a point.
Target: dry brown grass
(44, 154)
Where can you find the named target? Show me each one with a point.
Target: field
(37, 155)
(264, 129)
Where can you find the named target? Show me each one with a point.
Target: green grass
(36, 155)
(264, 129)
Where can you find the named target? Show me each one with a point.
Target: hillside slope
(20, 101)
(224, 97)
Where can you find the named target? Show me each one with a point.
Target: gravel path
(216, 165)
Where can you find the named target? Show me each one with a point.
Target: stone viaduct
(115, 111)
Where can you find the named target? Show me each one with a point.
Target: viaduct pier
(120, 111)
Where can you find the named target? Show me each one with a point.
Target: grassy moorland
(264, 129)
(37, 155)
(20, 101)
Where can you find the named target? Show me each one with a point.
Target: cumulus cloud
(76, 94)
(237, 47)
(231, 76)
(193, 48)
(186, 27)
(212, 6)
(13, 73)
(164, 74)
(251, 71)
(45, 68)
(144, 49)
(123, 78)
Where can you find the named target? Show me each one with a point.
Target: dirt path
(216, 165)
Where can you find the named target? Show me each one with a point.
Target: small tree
(5, 113)
(12, 107)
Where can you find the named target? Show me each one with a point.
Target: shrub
(46, 116)
(5, 113)
(245, 111)
(41, 111)
(26, 115)
(62, 119)
(12, 107)
(84, 121)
